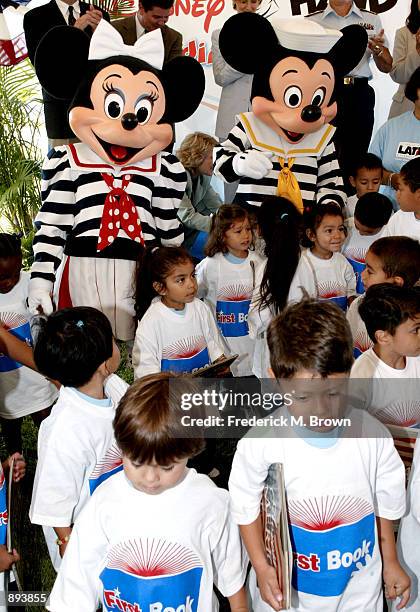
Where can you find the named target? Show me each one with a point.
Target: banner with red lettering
(196, 20)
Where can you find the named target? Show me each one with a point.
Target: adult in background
(398, 140)
(236, 89)
(36, 23)
(200, 200)
(152, 14)
(355, 97)
(406, 58)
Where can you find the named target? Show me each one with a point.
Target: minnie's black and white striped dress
(74, 192)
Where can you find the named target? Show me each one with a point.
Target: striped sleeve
(330, 185)
(236, 142)
(56, 216)
(168, 192)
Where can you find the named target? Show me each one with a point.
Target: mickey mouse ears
(305, 35)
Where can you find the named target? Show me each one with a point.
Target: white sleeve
(246, 481)
(390, 480)
(350, 279)
(77, 586)
(230, 560)
(58, 484)
(201, 276)
(414, 485)
(146, 356)
(404, 62)
(223, 73)
(216, 344)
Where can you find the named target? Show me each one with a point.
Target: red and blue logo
(332, 537)
(232, 309)
(334, 292)
(153, 575)
(109, 465)
(185, 355)
(356, 258)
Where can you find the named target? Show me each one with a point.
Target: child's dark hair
(373, 210)
(147, 423)
(413, 85)
(310, 335)
(410, 173)
(386, 306)
(71, 344)
(400, 256)
(368, 161)
(313, 218)
(10, 245)
(221, 222)
(155, 266)
(280, 225)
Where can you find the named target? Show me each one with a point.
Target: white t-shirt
(361, 340)
(335, 279)
(409, 534)
(155, 552)
(350, 205)
(354, 250)
(22, 391)
(403, 224)
(227, 289)
(259, 318)
(76, 453)
(333, 496)
(180, 342)
(391, 402)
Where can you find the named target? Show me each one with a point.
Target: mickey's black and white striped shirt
(317, 171)
(73, 196)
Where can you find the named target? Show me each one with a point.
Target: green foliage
(20, 157)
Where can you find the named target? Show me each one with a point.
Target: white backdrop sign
(196, 20)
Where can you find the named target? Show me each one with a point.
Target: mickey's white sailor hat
(300, 34)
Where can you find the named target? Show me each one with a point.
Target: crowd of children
(296, 297)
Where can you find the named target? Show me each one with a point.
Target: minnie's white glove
(39, 298)
(254, 164)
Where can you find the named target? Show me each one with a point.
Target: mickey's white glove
(39, 298)
(254, 164)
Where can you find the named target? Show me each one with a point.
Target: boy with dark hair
(342, 492)
(365, 177)
(392, 317)
(372, 212)
(406, 222)
(156, 536)
(76, 446)
(394, 260)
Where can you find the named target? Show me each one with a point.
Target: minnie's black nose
(310, 113)
(129, 121)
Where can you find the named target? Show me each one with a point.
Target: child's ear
(310, 235)
(382, 337)
(270, 373)
(397, 280)
(352, 181)
(159, 288)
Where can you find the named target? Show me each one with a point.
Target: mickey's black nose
(129, 121)
(310, 113)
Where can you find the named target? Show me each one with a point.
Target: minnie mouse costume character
(116, 190)
(284, 146)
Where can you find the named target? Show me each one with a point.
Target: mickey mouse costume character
(284, 146)
(116, 190)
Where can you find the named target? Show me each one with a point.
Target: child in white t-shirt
(176, 331)
(365, 177)
(282, 276)
(394, 260)
(333, 276)
(76, 446)
(406, 222)
(157, 536)
(372, 212)
(343, 493)
(22, 390)
(226, 280)
(392, 317)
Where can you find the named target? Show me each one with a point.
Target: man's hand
(91, 18)
(269, 586)
(19, 466)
